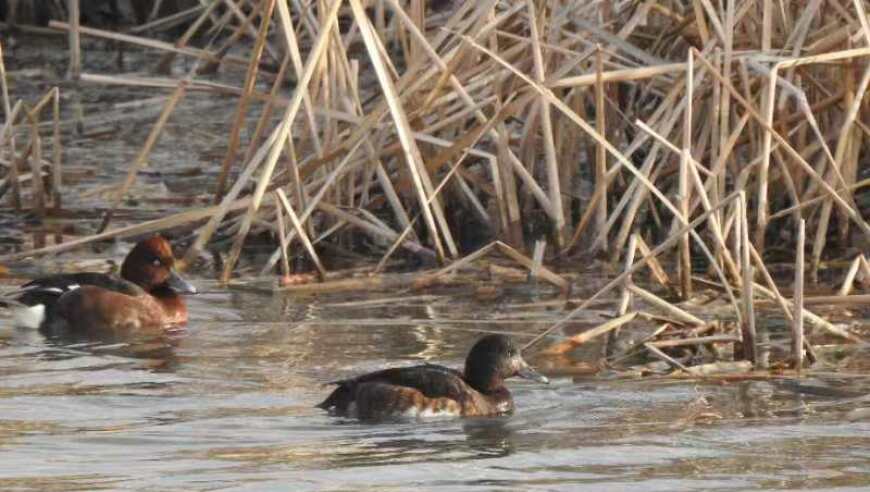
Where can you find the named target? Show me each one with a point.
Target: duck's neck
(486, 382)
(173, 305)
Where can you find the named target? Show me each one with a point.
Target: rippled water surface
(228, 405)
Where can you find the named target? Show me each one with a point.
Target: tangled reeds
(712, 134)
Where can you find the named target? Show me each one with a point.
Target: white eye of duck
(157, 262)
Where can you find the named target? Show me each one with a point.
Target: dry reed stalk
(165, 63)
(412, 154)
(543, 272)
(693, 167)
(798, 324)
(282, 133)
(682, 342)
(300, 232)
(75, 48)
(176, 220)
(175, 19)
(838, 300)
(57, 156)
(250, 79)
(377, 232)
(473, 137)
(748, 326)
(625, 293)
(843, 145)
(142, 156)
(537, 258)
(282, 239)
(600, 204)
(267, 111)
(478, 114)
(38, 193)
(620, 158)
(553, 184)
(654, 265)
(149, 43)
(667, 358)
(849, 279)
(685, 253)
(575, 341)
(622, 75)
(619, 279)
(812, 201)
(680, 315)
(292, 48)
(4, 89)
(325, 186)
(852, 214)
(865, 267)
(214, 221)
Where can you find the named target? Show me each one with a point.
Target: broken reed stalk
(75, 48)
(747, 327)
(685, 264)
(600, 204)
(285, 262)
(798, 319)
(57, 156)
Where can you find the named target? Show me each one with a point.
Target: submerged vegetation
(702, 142)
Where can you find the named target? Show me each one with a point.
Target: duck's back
(49, 297)
(418, 391)
(46, 290)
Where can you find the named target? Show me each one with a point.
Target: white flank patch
(29, 316)
(428, 413)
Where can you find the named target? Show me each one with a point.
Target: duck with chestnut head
(146, 296)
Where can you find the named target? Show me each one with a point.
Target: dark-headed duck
(145, 296)
(431, 390)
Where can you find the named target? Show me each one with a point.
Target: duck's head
(151, 265)
(495, 358)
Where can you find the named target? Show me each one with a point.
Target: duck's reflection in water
(153, 351)
(490, 437)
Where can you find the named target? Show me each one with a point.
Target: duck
(146, 295)
(431, 390)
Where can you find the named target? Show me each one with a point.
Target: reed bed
(699, 141)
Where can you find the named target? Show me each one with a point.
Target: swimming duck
(145, 296)
(432, 390)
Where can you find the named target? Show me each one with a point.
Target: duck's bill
(179, 285)
(526, 372)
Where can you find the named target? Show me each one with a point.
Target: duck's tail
(23, 315)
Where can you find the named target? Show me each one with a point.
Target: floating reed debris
(686, 137)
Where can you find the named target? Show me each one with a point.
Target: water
(228, 404)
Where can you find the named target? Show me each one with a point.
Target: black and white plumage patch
(36, 299)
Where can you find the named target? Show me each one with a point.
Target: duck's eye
(157, 262)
